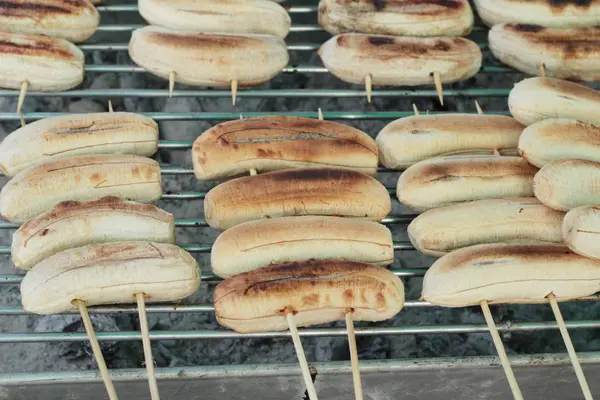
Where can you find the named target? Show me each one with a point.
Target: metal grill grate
(462, 94)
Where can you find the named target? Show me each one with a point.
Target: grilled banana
(77, 134)
(38, 189)
(559, 139)
(409, 140)
(401, 17)
(207, 59)
(564, 53)
(230, 16)
(110, 273)
(400, 61)
(73, 20)
(537, 99)
(580, 231)
(556, 14)
(516, 220)
(48, 64)
(73, 224)
(566, 184)
(443, 181)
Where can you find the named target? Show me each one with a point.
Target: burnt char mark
(380, 40)
(18, 8)
(313, 174)
(565, 3)
(486, 255)
(38, 48)
(442, 46)
(202, 41)
(379, 4)
(526, 28)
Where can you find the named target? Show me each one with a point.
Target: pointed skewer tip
(234, 91)
(22, 94)
(369, 86)
(171, 83)
(437, 79)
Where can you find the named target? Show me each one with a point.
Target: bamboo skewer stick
(416, 110)
(369, 86)
(512, 381)
(89, 328)
(358, 393)
(171, 83)
(587, 394)
(22, 94)
(478, 107)
(147, 347)
(310, 387)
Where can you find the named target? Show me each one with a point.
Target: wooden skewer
(320, 114)
(437, 79)
(587, 394)
(512, 381)
(478, 107)
(253, 171)
(369, 86)
(89, 328)
(22, 93)
(416, 110)
(241, 117)
(171, 83)
(22, 119)
(358, 393)
(110, 107)
(310, 387)
(147, 347)
(542, 70)
(234, 90)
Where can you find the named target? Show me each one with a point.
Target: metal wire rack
(112, 37)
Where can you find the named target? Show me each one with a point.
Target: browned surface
(472, 166)
(311, 277)
(388, 47)
(488, 254)
(568, 89)
(36, 46)
(199, 41)
(42, 9)
(68, 209)
(415, 7)
(572, 43)
(282, 138)
(558, 4)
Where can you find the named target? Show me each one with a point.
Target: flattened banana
(73, 20)
(400, 17)
(555, 14)
(227, 16)
(572, 54)
(400, 61)
(537, 99)
(208, 59)
(48, 64)
(80, 178)
(77, 134)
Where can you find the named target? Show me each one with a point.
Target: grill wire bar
(425, 92)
